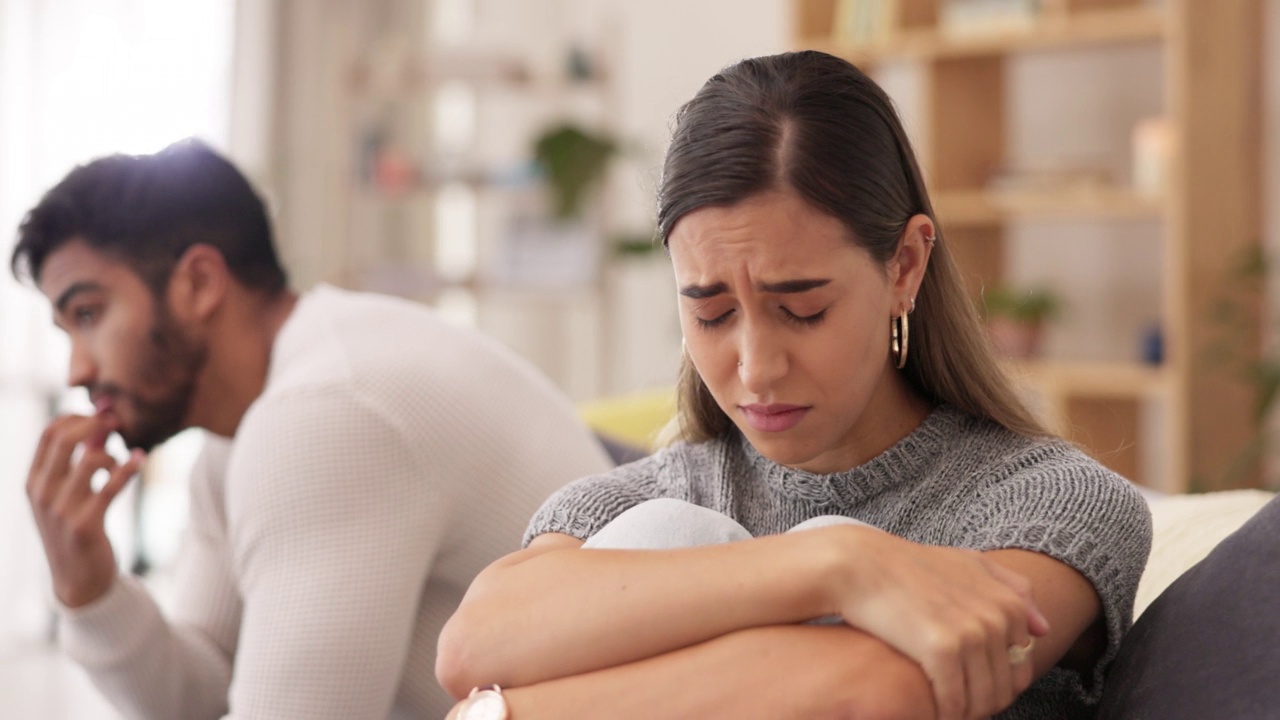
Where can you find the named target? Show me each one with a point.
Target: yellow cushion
(634, 419)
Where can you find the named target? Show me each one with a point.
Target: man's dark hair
(147, 210)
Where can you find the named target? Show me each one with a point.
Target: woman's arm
(796, 671)
(1069, 601)
(750, 658)
(554, 610)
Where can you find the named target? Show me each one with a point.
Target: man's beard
(170, 363)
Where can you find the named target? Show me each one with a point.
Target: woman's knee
(826, 521)
(666, 523)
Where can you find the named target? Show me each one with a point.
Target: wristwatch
(485, 703)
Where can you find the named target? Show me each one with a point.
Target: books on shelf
(987, 17)
(861, 23)
(536, 252)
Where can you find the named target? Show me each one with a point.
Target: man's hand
(69, 513)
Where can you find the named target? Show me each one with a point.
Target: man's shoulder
(379, 342)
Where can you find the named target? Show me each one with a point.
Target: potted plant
(553, 238)
(1016, 318)
(573, 160)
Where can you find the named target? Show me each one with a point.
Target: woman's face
(787, 322)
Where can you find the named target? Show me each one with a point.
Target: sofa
(1206, 638)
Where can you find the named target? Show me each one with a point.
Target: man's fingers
(98, 439)
(119, 478)
(38, 479)
(65, 434)
(42, 448)
(79, 484)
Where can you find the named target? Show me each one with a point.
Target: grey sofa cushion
(621, 452)
(1209, 646)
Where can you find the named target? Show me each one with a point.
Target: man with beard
(365, 460)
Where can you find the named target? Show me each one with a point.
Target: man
(366, 460)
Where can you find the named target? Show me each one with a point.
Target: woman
(835, 374)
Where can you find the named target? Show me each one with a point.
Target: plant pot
(1015, 338)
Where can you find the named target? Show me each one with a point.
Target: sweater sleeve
(333, 525)
(1056, 501)
(582, 508)
(153, 667)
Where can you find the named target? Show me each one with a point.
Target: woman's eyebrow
(786, 287)
(702, 292)
(793, 286)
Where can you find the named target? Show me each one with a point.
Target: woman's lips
(774, 418)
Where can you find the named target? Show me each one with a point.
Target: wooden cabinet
(1197, 416)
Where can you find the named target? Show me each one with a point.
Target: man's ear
(912, 259)
(198, 284)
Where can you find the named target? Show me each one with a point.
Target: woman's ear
(198, 284)
(915, 245)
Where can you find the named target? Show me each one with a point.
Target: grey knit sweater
(955, 481)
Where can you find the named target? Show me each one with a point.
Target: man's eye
(84, 316)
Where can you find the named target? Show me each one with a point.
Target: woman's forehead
(773, 231)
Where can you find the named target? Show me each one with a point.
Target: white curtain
(79, 79)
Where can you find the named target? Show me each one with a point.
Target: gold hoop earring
(899, 335)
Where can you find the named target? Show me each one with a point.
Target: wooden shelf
(1211, 70)
(411, 75)
(1098, 406)
(1117, 380)
(1052, 32)
(426, 187)
(969, 208)
(411, 280)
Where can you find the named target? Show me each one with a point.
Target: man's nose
(83, 370)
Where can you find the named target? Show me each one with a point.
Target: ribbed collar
(905, 461)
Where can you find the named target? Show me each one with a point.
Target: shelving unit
(405, 238)
(1209, 213)
(978, 208)
(1060, 26)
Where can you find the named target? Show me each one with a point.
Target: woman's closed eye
(714, 322)
(787, 315)
(804, 320)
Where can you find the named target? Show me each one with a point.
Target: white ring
(1018, 654)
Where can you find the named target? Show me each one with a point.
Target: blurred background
(1105, 170)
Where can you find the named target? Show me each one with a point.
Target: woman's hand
(955, 612)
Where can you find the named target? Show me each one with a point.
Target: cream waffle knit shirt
(389, 459)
